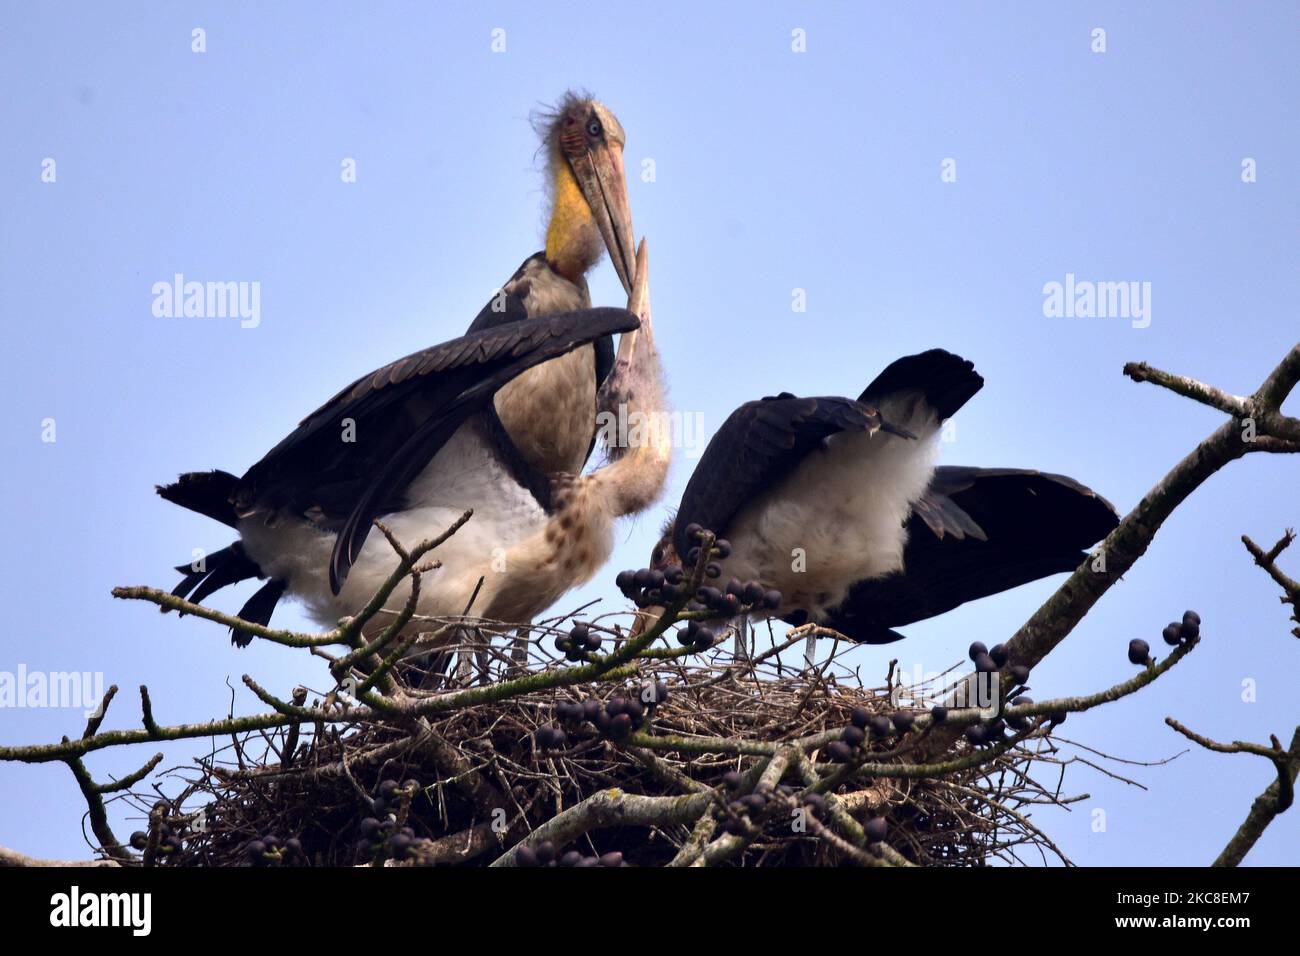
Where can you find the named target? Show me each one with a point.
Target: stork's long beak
(604, 183)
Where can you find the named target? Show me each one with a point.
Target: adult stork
(549, 411)
(500, 421)
(837, 503)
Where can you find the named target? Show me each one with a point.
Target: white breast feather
(464, 474)
(843, 507)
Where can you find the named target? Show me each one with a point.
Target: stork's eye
(593, 128)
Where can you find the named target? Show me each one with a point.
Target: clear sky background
(774, 170)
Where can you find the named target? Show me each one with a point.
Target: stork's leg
(519, 651)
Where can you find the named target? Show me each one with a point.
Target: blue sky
(774, 171)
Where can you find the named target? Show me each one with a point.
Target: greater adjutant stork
(837, 503)
(501, 421)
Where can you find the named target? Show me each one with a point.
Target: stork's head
(590, 211)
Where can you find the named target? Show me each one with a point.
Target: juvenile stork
(501, 421)
(837, 503)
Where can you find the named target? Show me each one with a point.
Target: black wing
(976, 532)
(945, 381)
(758, 445)
(398, 417)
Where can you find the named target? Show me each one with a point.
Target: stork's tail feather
(207, 492)
(230, 565)
(258, 610)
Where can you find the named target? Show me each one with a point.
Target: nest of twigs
(537, 770)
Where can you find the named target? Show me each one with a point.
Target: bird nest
(735, 755)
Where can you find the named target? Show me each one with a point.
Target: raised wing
(351, 459)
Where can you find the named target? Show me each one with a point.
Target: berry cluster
(649, 586)
(866, 725)
(268, 850)
(545, 854)
(1186, 632)
(379, 832)
(667, 587)
(169, 839)
(578, 643)
(988, 660)
(614, 718)
(171, 833)
(1174, 634)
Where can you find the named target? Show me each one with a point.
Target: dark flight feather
(206, 492)
(976, 532)
(947, 381)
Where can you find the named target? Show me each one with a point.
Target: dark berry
(732, 779)
(722, 548)
(1191, 617)
(976, 649)
(624, 580)
(772, 600)
(938, 713)
(590, 708)
(853, 736)
(876, 829)
(139, 840)
(1189, 630)
(1139, 651)
(839, 751)
(545, 852)
(611, 859)
(1019, 674)
(880, 726)
(693, 531)
(752, 593)
(526, 856)
(976, 734)
(861, 717)
(902, 720)
(620, 726)
(572, 858)
(985, 664)
(1000, 654)
(713, 569)
(1173, 634)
